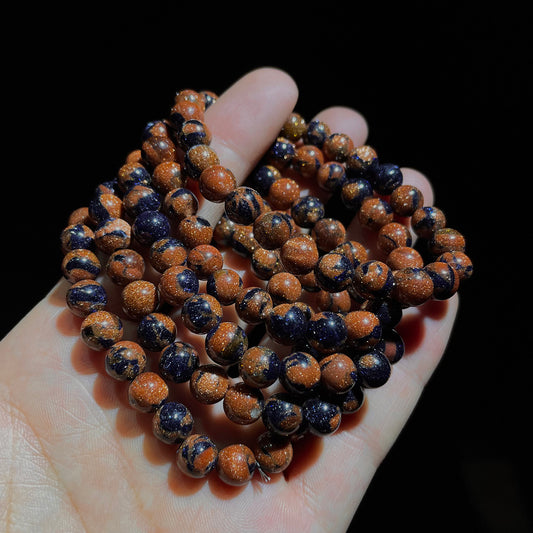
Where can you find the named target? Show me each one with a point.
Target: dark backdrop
(444, 89)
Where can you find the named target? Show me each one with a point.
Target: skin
(76, 457)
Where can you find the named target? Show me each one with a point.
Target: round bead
(300, 373)
(392, 345)
(209, 98)
(308, 282)
(326, 332)
(216, 183)
(388, 312)
(299, 255)
(201, 313)
(167, 176)
(281, 414)
(266, 263)
(283, 193)
(155, 331)
(373, 368)
(263, 178)
(280, 153)
(101, 329)
(286, 324)
(147, 392)
(445, 279)
(243, 404)
(190, 95)
(76, 236)
(124, 266)
(198, 158)
(253, 305)
(460, 262)
(224, 285)
(412, 286)
(125, 360)
(375, 213)
(446, 240)
(104, 206)
(193, 132)
(131, 174)
(284, 287)
(180, 203)
(393, 235)
(184, 110)
(243, 241)
(80, 264)
(404, 257)
(360, 161)
(209, 384)
(334, 272)
(204, 260)
(324, 418)
(196, 456)
(406, 199)
(363, 329)
(373, 279)
(236, 464)
(426, 220)
(172, 422)
(294, 127)
(157, 149)
(141, 198)
(354, 193)
(338, 373)
(328, 233)
(386, 177)
(273, 228)
(223, 231)
(259, 367)
(79, 216)
(349, 402)
(113, 234)
(150, 226)
(139, 298)
(337, 147)
(156, 128)
(331, 176)
(166, 253)
(194, 230)
(317, 132)
(178, 361)
(307, 211)
(273, 452)
(243, 205)
(354, 251)
(338, 302)
(307, 160)
(85, 297)
(226, 343)
(177, 284)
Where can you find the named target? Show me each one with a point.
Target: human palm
(76, 457)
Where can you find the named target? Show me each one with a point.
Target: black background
(445, 89)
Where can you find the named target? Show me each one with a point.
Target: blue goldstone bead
(244, 205)
(373, 368)
(323, 417)
(201, 313)
(326, 332)
(392, 345)
(264, 177)
(141, 198)
(286, 323)
(388, 312)
(77, 236)
(197, 456)
(281, 414)
(86, 297)
(178, 361)
(385, 177)
(150, 226)
(172, 422)
(156, 331)
(355, 192)
(307, 211)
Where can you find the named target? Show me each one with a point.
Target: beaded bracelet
(141, 232)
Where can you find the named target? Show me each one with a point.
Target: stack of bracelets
(319, 295)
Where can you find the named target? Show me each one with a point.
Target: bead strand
(149, 213)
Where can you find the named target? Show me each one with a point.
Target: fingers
(244, 122)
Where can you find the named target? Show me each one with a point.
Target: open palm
(76, 457)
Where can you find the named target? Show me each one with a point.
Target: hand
(76, 457)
